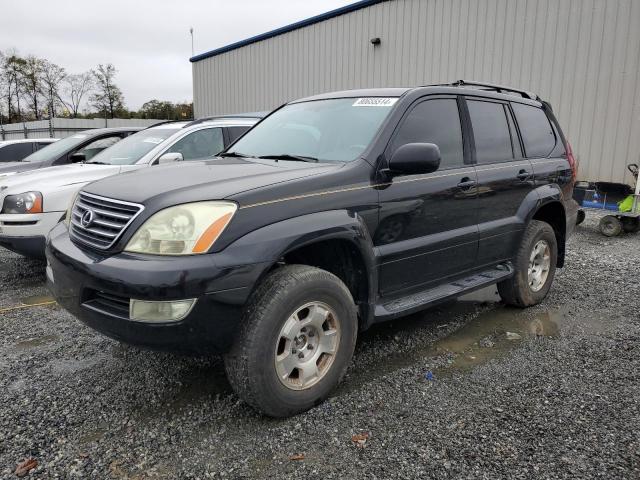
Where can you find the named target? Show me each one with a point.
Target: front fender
(267, 245)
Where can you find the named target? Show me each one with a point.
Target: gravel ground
(443, 394)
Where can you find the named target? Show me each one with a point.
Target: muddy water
(491, 334)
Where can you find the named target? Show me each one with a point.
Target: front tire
(296, 341)
(535, 267)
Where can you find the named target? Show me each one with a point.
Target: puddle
(491, 334)
(37, 300)
(34, 342)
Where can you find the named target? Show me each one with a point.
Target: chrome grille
(107, 221)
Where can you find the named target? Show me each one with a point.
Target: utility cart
(624, 215)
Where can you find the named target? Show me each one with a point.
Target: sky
(148, 41)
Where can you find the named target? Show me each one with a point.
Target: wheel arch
(553, 213)
(337, 241)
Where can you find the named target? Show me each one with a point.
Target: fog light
(158, 312)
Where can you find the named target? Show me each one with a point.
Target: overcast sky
(148, 41)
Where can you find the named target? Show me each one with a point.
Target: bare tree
(74, 89)
(12, 74)
(108, 97)
(52, 77)
(31, 78)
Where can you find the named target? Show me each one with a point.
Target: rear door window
(537, 133)
(236, 132)
(490, 132)
(434, 121)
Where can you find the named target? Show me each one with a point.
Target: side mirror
(415, 158)
(77, 157)
(170, 158)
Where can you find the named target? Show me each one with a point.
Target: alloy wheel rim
(539, 265)
(307, 345)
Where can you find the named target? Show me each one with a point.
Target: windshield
(336, 130)
(134, 147)
(53, 151)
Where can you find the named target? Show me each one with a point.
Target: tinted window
(200, 144)
(15, 152)
(535, 128)
(40, 145)
(434, 121)
(236, 132)
(490, 132)
(97, 146)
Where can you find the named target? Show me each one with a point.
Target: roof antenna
(191, 33)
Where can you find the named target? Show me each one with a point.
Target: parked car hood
(47, 179)
(11, 168)
(200, 180)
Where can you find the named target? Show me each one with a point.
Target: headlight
(69, 213)
(29, 202)
(183, 230)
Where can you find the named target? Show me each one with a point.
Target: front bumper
(81, 279)
(25, 234)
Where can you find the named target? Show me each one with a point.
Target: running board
(418, 301)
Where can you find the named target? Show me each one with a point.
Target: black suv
(333, 213)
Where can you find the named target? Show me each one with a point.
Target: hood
(47, 179)
(203, 180)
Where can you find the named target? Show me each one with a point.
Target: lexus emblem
(87, 218)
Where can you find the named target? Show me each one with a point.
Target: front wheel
(296, 341)
(535, 267)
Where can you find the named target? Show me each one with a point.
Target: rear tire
(580, 217)
(296, 341)
(610, 226)
(535, 267)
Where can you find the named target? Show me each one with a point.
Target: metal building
(581, 55)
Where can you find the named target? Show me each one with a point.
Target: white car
(34, 202)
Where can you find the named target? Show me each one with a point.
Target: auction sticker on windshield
(375, 102)
(153, 140)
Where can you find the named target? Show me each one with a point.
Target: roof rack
(220, 117)
(495, 88)
(167, 121)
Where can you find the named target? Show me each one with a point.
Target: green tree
(108, 97)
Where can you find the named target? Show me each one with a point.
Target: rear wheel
(535, 267)
(296, 341)
(610, 226)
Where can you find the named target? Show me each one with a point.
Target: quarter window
(434, 121)
(97, 146)
(490, 132)
(536, 130)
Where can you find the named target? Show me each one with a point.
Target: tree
(75, 87)
(161, 109)
(52, 77)
(12, 71)
(108, 97)
(31, 78)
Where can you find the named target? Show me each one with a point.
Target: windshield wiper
(97, 163)
(286, 156)
(233, 154)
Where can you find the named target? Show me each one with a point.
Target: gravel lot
(443, 394)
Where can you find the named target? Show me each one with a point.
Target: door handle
(466, 183)
(523, 175)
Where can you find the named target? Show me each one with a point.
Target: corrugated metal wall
(63, 127)
(581, 55)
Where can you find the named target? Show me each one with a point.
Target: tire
(580, 217)
(253, 366)
(518, 290)
(610, 226)
(631, 225)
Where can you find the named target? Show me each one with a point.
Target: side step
(417, 301)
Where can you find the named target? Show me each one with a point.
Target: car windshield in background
(336, 130)
(57, 148)
(134, 147)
